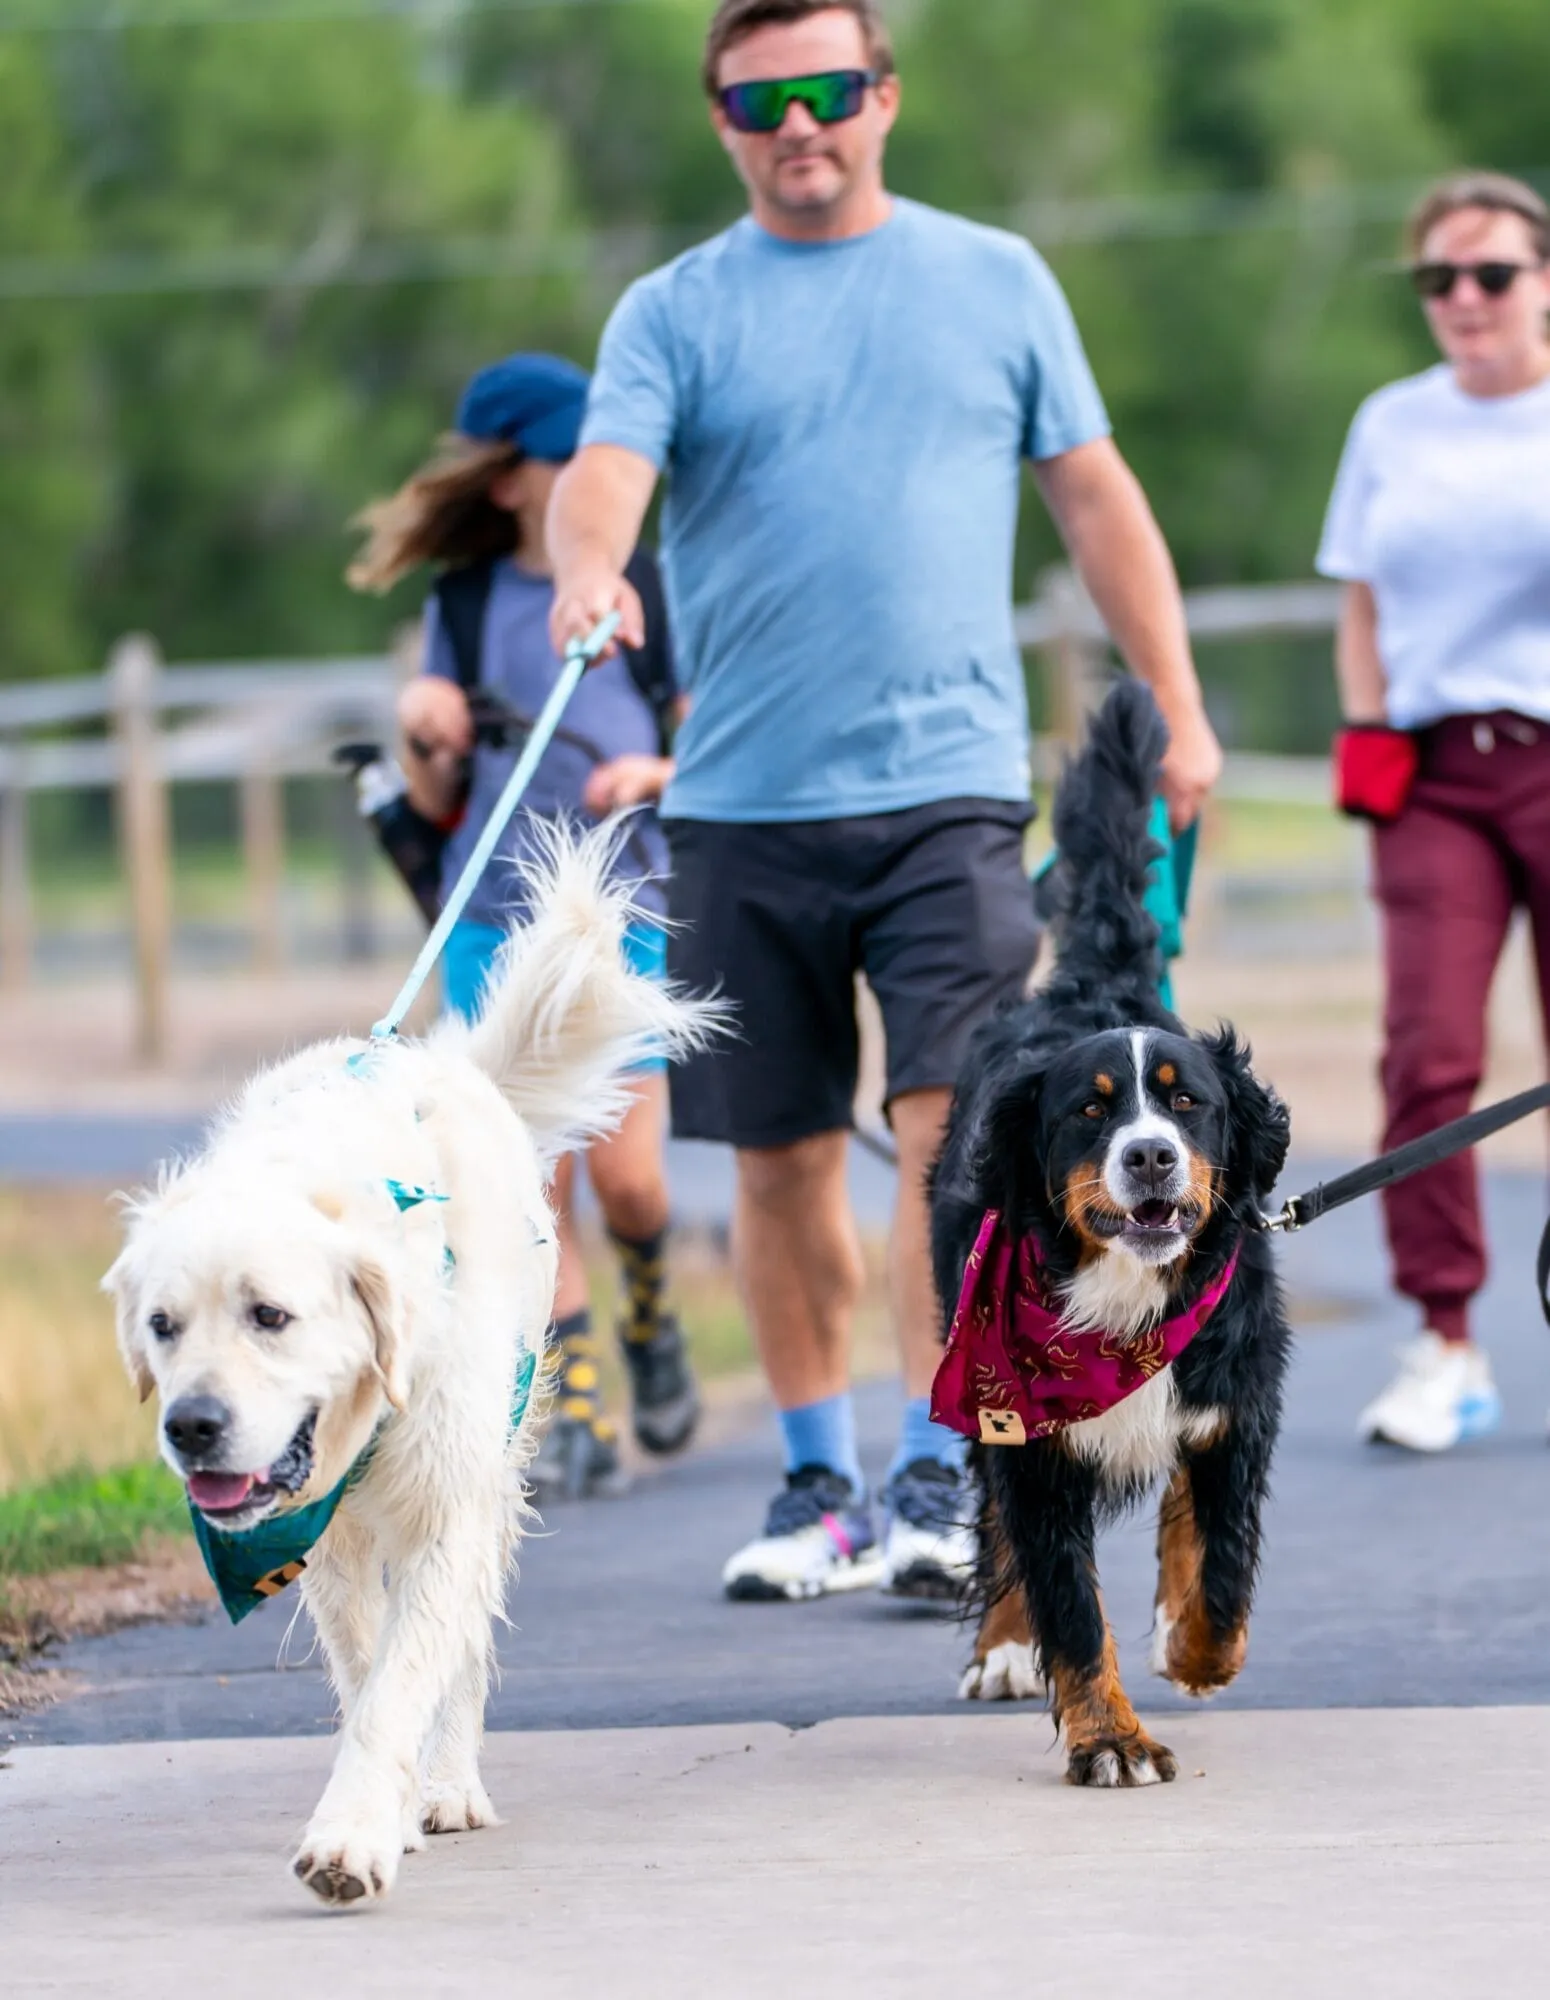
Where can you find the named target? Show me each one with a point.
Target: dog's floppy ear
(121, 1284)
(1004, 1155)
(384, 1309)
(1259, 1126)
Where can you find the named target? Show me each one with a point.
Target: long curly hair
(441, 514)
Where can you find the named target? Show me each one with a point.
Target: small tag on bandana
(1013, 1372)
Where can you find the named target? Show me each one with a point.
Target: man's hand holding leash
(594, 521)
(583, 602)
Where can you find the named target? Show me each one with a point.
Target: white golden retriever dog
(350, 1284)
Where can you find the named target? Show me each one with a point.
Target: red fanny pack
(1375, 767)
(1013, 1372)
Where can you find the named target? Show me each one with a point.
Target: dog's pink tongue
(219, 1492)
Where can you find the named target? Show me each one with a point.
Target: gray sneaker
(578, 1459)
(664, 1396)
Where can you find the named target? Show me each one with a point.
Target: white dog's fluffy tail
(563, 1017)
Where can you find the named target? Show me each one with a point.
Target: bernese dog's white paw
(1008, 1672)
(1109, 1763)
(1162, 1629)
(1201, 1669)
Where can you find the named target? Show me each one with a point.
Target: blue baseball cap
(534, 401)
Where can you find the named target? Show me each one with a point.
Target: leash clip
(1289, 1219)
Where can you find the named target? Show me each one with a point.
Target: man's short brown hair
(1477, 188)
(734, 20)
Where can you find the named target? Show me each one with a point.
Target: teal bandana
(255, 1564)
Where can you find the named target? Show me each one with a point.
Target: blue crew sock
(824, 1433)
(921, 1438)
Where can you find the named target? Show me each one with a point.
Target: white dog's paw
(346, 1864)
(456, 1807)
(1008, 1672)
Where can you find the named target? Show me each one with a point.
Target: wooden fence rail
(255, 724)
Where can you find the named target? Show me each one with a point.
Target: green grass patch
(88, 1519)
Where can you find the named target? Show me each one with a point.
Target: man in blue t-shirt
(840, 390)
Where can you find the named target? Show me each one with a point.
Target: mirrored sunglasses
(832, 96)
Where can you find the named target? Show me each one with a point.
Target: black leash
(1410, 1159)
(1542, 1272)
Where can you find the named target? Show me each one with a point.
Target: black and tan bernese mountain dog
(1112, 1299)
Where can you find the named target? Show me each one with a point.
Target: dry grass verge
(64, 1400)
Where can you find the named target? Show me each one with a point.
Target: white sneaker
(818, 1538)
(930, 1549)
(1442, 1395)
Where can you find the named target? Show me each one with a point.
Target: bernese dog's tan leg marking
(1105, 1743)
(1005, 1622)
(1186, 1648)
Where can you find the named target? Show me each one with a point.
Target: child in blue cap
(477, 511)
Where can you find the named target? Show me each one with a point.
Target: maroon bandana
(1009, 1376)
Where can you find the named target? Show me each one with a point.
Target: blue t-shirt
(842, 426)
(608, 711)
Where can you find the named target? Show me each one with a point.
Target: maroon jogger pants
(1472, 844)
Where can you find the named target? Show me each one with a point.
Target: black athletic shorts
(932, 904)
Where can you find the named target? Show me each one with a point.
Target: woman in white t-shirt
(1439, 527)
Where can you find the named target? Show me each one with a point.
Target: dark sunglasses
(1435, 281)
(761, 106)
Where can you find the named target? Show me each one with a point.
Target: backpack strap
(651, 666)
(462, 596)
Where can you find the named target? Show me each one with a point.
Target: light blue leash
(579, 655)
(250, 1565)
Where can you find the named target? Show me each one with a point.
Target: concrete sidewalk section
(1390, 1853)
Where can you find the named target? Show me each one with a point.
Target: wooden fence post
(144, 833)
(355, 845)
(1073, 655)
(15, 871)
(263, 856)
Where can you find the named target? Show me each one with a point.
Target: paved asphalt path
(1390, 1580)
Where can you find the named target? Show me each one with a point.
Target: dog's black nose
(1150, 1160)
(195, 1425)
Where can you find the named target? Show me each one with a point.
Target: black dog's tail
(1108, 943)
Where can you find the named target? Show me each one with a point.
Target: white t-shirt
(1442, 506)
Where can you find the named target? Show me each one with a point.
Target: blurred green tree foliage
(236, 426)
(52, 477)
(245, 265)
